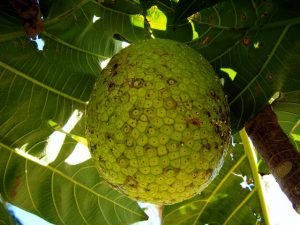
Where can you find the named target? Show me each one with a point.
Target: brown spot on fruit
(214, 95)
(135, 82)
(207, 113)
(113, 70)
(194, 121)
(206, 146)
(111, 85)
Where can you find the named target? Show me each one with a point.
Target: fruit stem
(278, 152)
(251, 155)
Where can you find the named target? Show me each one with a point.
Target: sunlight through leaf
(79, 155)
(156, 18)
(56, 140)
(231, 72)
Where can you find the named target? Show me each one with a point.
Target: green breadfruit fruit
(157, 122)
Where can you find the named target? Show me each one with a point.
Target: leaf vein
(263, 66)
(38, 83)
(57, 172)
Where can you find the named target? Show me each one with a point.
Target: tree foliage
(254, 47)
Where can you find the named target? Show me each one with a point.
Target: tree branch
(282, 159)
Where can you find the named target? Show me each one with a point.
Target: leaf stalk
(251, 155)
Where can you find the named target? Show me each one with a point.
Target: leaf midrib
(38, 83)
(270, 56)
(248, 196)
(56, 39)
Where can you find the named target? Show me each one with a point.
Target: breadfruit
(158, 122)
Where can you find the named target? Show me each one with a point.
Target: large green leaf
(259, 40)
(234, 197)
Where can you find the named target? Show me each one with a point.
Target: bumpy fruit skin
(157, 122)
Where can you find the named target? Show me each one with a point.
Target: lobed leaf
(256, 40)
